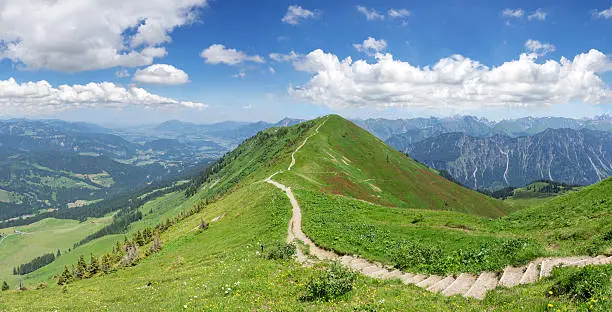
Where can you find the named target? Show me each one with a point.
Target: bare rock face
(563, 155)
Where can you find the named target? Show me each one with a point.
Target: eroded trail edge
(464, 284)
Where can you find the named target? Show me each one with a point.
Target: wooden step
(461, 285)
(442, 284)
(511, 276)
(429, 281)
(485, 282)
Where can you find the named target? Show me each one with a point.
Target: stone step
(346, 260)
(591, 261)
(485, 282)
(417, 278)
(406, 278)
(429, 281)
(380, 273)
(395, 274)
(549, 264)
(442, 284)
(532, 273)
(461, 285)
(511, 276)
(371, 269)
(607, 260)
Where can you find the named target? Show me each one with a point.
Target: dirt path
(463, 284)
(303, 143)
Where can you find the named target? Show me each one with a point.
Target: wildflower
(550, 305)
(185, 306)
(550, 292)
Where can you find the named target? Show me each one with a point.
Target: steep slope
(347, 160)
(563, 155)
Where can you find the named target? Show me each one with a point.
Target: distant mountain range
(52, 164)
(491, 155)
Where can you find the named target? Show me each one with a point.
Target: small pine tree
(59, 253)
(15, 272)
(21, 285)
(138, 239)
(107, 263)
(94, 266)
(81, 268)
(65, 277)
(5, 286)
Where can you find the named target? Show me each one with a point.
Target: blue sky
(257, 86)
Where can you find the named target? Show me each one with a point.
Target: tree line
(35, 264)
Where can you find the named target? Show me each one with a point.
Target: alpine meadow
(231, 155)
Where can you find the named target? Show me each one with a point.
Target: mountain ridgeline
(580, 157)
(482, 154)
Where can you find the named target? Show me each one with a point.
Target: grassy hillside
(351, 203)
(346, 160)
(42, 237)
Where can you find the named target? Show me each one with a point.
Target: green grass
(45, 236)
(347, 160)
(409, 202)
(463, 243)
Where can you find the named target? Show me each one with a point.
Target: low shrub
(281, 251)
(581, 284)
(333, 283)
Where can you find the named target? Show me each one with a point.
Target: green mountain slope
(222, 268)
(346, 160)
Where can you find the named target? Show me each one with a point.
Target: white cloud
(40, 96)
(279, 57)
(398, 13)
(295, 14)
(371, 46)
(247, 107)
(77, 35)
(240, 75)
(162, 74)
(272, 70)
(219, 54)
(538, 48)
(370, 14)
(607, 13)
(538, 14)
(514, 13)
(454, 82)
(122, 73)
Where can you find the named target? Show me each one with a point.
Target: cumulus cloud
(219, 54)
(538, 15)
(607, 13)
(538, 48)
(40, 96)
(370, 14)
(240, 75)
(514, 13)
(75, 35)
(162, 74)
(371, 46)
(295, 14)
(455, 82)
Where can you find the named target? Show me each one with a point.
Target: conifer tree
(94, 266)
(59, 253)
(65, 277)
(81, 268)
(107, 263)
(5, 286)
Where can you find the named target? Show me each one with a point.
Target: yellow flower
(550, 292)
(550, 305)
